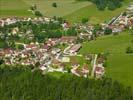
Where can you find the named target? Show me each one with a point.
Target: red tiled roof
(99, 69)
(68, 38)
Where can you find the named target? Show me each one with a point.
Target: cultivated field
(120, 64)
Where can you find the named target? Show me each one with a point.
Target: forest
(20, 83)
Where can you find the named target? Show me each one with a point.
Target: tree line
(19, 83)
(103, 4)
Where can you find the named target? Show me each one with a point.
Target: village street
(94, 65)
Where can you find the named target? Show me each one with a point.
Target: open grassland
(119, 64)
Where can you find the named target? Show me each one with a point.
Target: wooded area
(21, 84)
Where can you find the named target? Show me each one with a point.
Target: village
(61, 54)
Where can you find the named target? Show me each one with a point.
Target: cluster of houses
(99, 67)
(83, 71)
(43, 55)
(123, 21)
(116, 24)
(49, 57)
(12, 20)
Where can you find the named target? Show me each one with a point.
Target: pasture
(119, 64)
(71, 10)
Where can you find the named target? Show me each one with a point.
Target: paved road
(94, 65)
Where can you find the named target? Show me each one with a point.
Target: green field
(14, 8)
(20, 7)
(69, 9)
(95, 16)
(119, 64)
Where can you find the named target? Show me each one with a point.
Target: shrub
(108, 31)
(38, 13)
(129, 50)
(54, 4)
(85, 20)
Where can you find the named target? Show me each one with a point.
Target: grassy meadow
(95, 16)
(119, 64)
(14, 8)
(71, 10)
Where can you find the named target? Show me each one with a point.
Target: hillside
(69, 9)
(119, 63)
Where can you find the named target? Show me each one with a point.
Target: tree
(1, 61)
(107, 31)
(47, 87)
(54, 4)
(85, 20)
(71, 32)
(38, 14)
(129, 50)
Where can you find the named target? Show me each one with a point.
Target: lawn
(119, 64)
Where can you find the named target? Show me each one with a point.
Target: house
(45, 47)
(66, 26)
(99, 71)
(80, 71)
(75, 71)
(130, 8)
(130, 22)
(68, 39)
(53, 41)
(85, 35)
(85, 69)
(31, 46)
(15, 30)
(55, 51)
(2, 22)
(73, 49)
(100, 60)
(1, 53)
